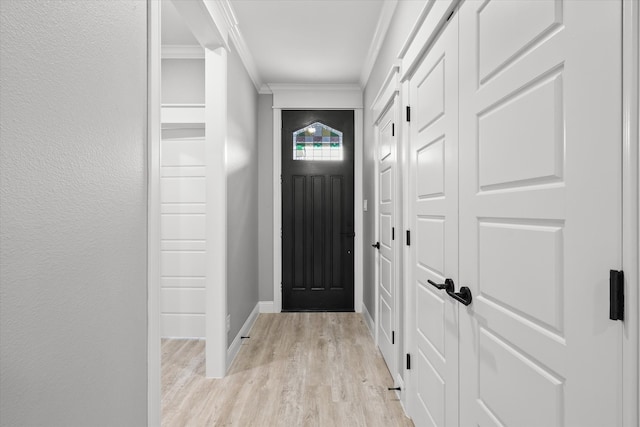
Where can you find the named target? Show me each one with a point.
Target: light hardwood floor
(297, 369)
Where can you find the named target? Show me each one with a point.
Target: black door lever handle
(447, 285)
(464, 296)
(376, 245)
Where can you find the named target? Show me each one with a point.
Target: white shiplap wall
(183, 243)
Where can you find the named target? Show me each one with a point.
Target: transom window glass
(317, 142)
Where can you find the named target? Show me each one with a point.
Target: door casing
(317, 97)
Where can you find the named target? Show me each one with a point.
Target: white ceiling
(298, 41)
(308, 41)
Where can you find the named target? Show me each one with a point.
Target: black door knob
(376, 245)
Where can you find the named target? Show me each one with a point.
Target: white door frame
(153, 213)
(630, 212)
(317, 97)
(388, 96)
(213, 38)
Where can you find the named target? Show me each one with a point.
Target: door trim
(388, 96)
(317, 97)
(153, 214)
(217, 348)
(630, 214)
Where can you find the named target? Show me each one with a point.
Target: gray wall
(265, 195)
(73, 219)
(242, 194)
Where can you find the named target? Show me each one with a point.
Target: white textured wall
(242, 194)
(265, 195)
(73, 293)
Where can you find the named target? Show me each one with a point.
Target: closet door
(433, 207)
(540, 205)
(387, 260)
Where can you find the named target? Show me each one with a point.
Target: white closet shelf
(182, 114)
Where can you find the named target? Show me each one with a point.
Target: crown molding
(384, 21)
(174, 51)
(238, 41)
(265, 90)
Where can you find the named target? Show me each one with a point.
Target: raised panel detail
(385, 186)
(385, 230)
(430, 244)
(385, 318)
(182, 190)
(299, 255)
(508, 29)
(183, 264)
(521, 139)
(183, 245)
(430, 173)
(385, 274)
(521, 269)
(430, 317)
(514, 388)
(431, 390)
(184, 227)
(183, 282)
(430, 97)
(183, 152)
(385, 141)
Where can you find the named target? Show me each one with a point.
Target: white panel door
(540, 212)
(433, 212)
(387, 259)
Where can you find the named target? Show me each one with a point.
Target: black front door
(317, 210)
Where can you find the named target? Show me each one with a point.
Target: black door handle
(376, 245)
(448, 284)
(464, 296)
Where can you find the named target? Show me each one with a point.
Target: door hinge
(408, 113)
(393, 129)
(280, 178)
(393, 233)
(408, 237)
(408, 361)
(616, 295)
(393, 337)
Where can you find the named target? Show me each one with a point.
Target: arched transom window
(317, 142)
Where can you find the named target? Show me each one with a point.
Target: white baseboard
(369, 321)
(234, 348)
(266, 306)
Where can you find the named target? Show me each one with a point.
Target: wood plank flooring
(297, 369)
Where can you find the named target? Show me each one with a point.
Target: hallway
(311, 369)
